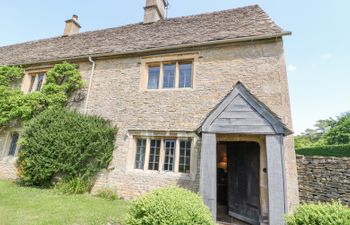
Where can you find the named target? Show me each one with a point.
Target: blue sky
(317, 54)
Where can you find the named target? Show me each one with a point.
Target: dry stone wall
(323, 179)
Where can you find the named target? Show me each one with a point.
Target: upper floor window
(13, 144)
(36, 82)
(170, 75)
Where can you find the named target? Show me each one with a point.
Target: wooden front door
(243, 181)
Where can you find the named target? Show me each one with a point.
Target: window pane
(154, 155)
(40, 81)
(185, 75)
(31, 85)
(169, 75)
(13, 145)
(153, 77)
(185, 156)
(169, 155)
(140, 153)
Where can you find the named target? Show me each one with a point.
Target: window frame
(32, 82)
(185, 157)
(137, 161)
(10, 150)
(183, 58)
(154, 156)
(162, 156)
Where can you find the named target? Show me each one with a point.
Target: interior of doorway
(225, 180)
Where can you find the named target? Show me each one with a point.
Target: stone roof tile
(247, 21)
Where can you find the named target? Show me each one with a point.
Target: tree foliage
(327, 132)
(62, 80)
(59, 144)
(340, 132)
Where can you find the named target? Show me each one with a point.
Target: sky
(317, 53)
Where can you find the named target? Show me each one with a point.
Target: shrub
(327, 150)
(74, 186)
(320, 214)
(107, 194)
(61, 144)
(173, 206)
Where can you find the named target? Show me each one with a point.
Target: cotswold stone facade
(237, 72)
(324, 179)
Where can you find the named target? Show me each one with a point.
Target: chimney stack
(155, 10)
(72, 26)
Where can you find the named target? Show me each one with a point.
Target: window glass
(169, 146)
(153, 77)
(32, 81)
(169, 75)
(185, 156)
(40, 81)
(140, 153)
(185, 75)
(154, 155)
(13, 145)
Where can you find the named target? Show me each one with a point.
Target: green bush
(320, 214)
(327, 150)
(107, 194)
(60, 144)
(74, 186)
(173, 206)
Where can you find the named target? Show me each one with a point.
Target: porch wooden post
(207, 185)
(276, 179)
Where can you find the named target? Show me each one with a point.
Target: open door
(243, 181)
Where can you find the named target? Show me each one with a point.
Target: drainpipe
(90, 83)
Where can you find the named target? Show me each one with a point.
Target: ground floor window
(13, 144)
(140, 153)
(163, 154)
(154, 155)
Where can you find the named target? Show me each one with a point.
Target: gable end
(242, 113)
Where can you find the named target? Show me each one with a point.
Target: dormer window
(170, 75)
(36, 82)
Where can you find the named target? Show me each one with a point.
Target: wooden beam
(276, 179)
(208, 172)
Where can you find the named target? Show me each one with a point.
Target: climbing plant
(61, 81)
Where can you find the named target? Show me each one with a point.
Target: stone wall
(324, 179)
(117, 94)
(8, 168)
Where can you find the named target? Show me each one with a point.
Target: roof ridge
(134, 24)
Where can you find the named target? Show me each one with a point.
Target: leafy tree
(340, 132)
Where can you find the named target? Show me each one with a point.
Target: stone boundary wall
(323, 179)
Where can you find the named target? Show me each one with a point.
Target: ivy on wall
(61, 81)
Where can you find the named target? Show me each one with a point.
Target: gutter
(93, 66)
(181, 46)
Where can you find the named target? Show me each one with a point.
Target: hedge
(320, 214)
(328, 150)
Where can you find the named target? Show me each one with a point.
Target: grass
(31, 206)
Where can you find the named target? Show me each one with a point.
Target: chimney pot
(72, 26)
(75, 17)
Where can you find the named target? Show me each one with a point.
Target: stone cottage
(200, 102)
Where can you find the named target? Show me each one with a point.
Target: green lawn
(24, 206)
